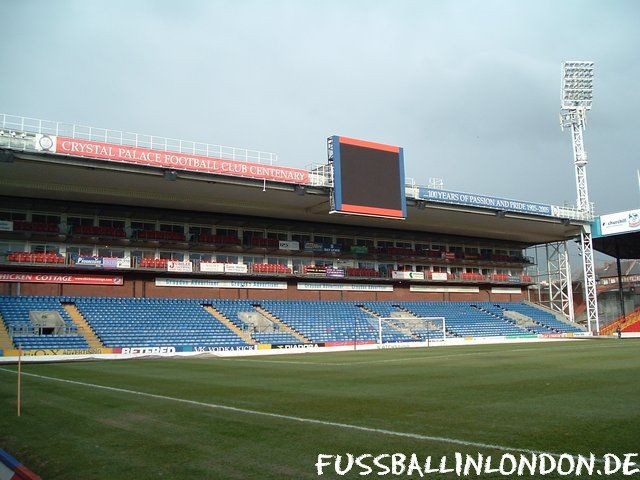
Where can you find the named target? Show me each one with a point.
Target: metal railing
(25, 125)
(573, 213)
(135, 263)
(27, 328)
(320, 174)
(17, 132)
(412, 190)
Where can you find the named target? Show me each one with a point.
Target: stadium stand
(135, 322)
(541, 317)
(232, 309)
(275, 338)
(218, 239)
(36, 227)
(331, 321)
(624, 322)
(632, 328)
(26, 257)
(464, 319)
(160, 235)
(157, 263)
(96, 231)
(15, 313)
(155, 322)
(270, 268)
(362, 272)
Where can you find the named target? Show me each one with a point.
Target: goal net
(426, 329)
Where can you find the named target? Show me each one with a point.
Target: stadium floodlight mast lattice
(577, 96)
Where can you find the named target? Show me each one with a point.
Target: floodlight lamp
(577, 85)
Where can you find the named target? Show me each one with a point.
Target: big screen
(368, 178)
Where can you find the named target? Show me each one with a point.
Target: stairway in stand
(5, 339)
(246, 336)
(283, 326)
(84, 328)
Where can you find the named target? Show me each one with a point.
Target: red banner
(178, 161)
(25, 277)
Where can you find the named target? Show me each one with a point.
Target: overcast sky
(470, 89)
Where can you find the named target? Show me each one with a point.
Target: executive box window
(143, 254)
(111, 252)
(301, 238)
(364, 242)
(169, 227)
(198, 230)
(248, 236)
(80, 221)
(10, 216)
(200, 257)
(177, 256)
(324, 239)
(250, 260)
(39, 248)
(323, 263)
(12, 247)
(227, 259)
(111, 222)
(345, 243)
(44, 218)
(227, 232)
(298, 264)
(82, 250)
(143, 226)
(278, 261)
(277, 236)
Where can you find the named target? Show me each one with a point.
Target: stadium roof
(619, 246)
(65, 178)
(618, 234)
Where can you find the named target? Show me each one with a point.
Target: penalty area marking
(279, 416)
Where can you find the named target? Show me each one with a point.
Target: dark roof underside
(53, 178)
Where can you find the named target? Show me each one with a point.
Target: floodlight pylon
(577, 97)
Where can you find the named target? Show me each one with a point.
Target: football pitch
(270, 417)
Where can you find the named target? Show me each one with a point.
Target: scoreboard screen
(368, 178)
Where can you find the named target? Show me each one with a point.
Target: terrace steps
(283, 326)
(246, 336)
(5, 340)
(83, 326)
(559, 316)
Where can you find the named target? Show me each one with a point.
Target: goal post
(426, 329)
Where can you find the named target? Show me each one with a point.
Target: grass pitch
(566, 397)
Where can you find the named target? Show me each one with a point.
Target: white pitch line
(388, 360)
(344, 364)
(346, 426)
(361, 362)
(287, 362)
